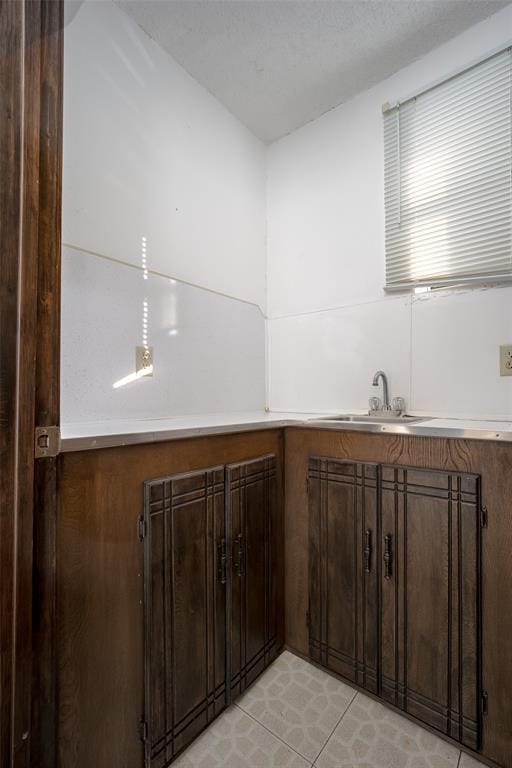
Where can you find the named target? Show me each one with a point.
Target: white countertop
(103, 434)
(107, 434)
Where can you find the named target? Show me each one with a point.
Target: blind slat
(448, 180)
(463, 205)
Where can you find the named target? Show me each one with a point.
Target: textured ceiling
(278, 64)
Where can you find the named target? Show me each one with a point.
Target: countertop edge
(86, 443)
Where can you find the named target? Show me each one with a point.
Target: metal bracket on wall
(46, 442)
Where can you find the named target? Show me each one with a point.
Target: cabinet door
(343, 568)
(431, 598)
(185, 609)
(254, 540)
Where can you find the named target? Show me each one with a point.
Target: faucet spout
(385, 391)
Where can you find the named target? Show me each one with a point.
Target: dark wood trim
(30, 132)
(47, 403)
(11, 152)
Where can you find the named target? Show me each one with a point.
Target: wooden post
(30, 215)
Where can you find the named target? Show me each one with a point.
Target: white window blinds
(448, 186)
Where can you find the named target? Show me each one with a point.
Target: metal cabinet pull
(222, 560)
(388, 557)
(240, 561)
(368, 551)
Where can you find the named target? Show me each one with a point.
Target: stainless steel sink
(377, 418)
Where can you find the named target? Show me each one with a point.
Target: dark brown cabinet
(343, 571)
(426, 531)
(394, 602)
(430, 598)
(253, 524)
(211, 550)
(185, 609)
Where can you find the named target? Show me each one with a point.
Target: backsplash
(209, 350)
(440, 351)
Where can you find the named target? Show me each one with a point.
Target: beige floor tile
(469, 762)
(235, 740)
(371, 736)
(298, 702)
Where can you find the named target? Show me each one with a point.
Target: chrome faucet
(385, 394)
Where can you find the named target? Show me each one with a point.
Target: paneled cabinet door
(430, 549)
(185, 609)
(254, 536)
(343, 563)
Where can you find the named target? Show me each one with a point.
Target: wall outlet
(144, 361)
(506, 360)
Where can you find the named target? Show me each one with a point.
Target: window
(448, 190)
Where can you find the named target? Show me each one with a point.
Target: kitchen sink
(378, 418)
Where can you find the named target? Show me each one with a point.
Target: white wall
(149, 153)
(331, 324)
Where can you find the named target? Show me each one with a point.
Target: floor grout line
(312, 763)
(334, 729)
(255, 719)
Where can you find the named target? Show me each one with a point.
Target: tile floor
(299, 716)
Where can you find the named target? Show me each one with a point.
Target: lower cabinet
(254, 544)
(211, 548)
(343, 584)
(394, 602)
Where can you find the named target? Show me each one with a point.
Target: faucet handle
(375, 404)
(398, 405)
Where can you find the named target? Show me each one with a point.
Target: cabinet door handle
(388, 557)
(240, 560)
(222, 560)
(368, 551)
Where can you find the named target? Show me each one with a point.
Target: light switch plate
(506, 360)
(144, 360)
